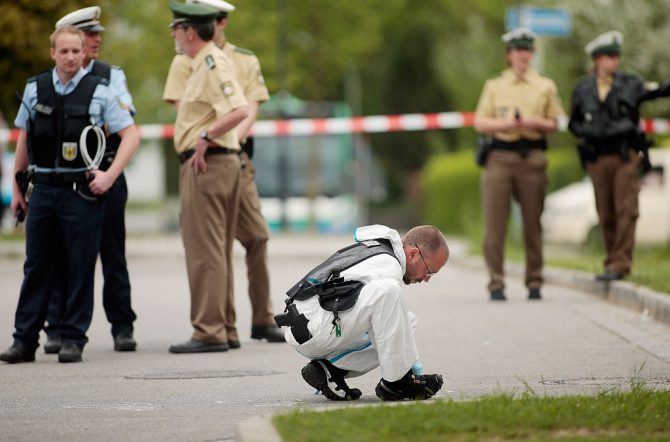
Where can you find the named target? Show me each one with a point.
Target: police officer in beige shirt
(252, 230)
(517, 108)
(211, 106)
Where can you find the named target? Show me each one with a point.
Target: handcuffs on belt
(91, 163)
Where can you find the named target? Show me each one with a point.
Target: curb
(257, 429)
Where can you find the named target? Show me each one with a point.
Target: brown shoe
(609, 276)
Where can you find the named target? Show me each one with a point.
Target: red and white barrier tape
(345, 125)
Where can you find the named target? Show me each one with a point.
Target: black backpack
(335, 294)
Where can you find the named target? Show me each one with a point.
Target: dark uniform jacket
(609, 126)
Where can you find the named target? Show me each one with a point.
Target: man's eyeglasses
(430, 273)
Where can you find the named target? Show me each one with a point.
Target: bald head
(426, 252)
(429, 238)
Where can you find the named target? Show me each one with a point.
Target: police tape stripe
(345, 125)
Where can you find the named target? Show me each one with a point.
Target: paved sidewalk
(571, 342)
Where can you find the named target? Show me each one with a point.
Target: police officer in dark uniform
(116, 289)
(60, 121)
(605, 116)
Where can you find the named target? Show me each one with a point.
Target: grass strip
(640, 414)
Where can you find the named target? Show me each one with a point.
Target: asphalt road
(568, 343)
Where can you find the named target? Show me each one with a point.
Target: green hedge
(451, 188)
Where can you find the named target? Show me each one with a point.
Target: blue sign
(551, 22)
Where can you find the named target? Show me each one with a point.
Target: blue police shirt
(104, 107)
(117, 80)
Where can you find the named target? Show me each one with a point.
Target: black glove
(410, 386)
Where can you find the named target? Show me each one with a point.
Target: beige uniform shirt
(210, 92)
(533, 95)
(245, 64)
(604, 87)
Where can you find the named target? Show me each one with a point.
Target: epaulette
(34, 78)
(244, 51)
(584, 80)
(626, 74)
(210, 62)
(104, 81)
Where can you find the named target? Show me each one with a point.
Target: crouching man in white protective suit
(344, 340)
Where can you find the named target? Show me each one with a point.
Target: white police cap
(522, 38)
(607, 43)
(86, 19)
(218, 4)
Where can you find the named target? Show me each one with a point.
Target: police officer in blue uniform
(116, 289)
(60, 122)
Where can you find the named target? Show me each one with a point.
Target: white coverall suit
(378, 330)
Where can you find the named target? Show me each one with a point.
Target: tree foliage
(382, 56)
(24, 43)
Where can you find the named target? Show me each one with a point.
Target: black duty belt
(60, 179)
(521, 145)
(184, 156)
(610, 145)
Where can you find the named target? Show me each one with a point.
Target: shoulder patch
(651, 85)
(210, 62)
(228, 88)
(243, 51)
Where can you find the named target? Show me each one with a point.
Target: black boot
(329, 380)
(18, 353)
(69, 353)
(124, 341)
(270, 332)
(52, 346)
(410, 386)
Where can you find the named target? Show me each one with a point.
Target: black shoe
(498, 295)
(270, 332)
(193, 346)
(609, 276)
(234, 344)
(409, 386)
(534, 294)
(124, 341)
(69, 353)
(16, 354)
(52, 346)
(329, 380)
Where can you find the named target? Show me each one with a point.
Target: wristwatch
(205, 136)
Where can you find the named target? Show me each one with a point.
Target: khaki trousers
(209, 205)
(507, 175)
(252, 231)
(616, 185)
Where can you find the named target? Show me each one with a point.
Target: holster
(248, 147)
(587, 153)
(297, 322)
(23, 179)
(484, 144)
(642, 145)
